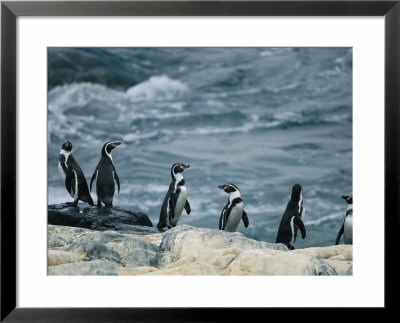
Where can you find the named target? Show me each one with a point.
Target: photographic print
(200, 161)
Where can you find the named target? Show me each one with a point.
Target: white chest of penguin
(234, 217)
(60, 169)
(348, 229)
(74, 192)
(180, 203)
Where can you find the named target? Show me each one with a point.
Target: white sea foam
(284, 87)
(333, 216)
(157, 88)
(147, 188)
(248, 126)
(274, 51)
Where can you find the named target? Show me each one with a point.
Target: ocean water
(260, 118)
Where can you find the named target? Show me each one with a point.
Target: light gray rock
(185, 250)
(59, 257)
(92, 250)
(339, 257)
(89, 268)
(265, 262)
(185, 240)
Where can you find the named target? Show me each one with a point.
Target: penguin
(72, 174)
(347, 226)
(292, 219)
(176, 198)
(105, 175)
(233, 211)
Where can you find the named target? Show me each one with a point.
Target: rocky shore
(113, 244)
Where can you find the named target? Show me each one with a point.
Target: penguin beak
(115, 144)
(222, 187)
(182, 167)
(345, 197)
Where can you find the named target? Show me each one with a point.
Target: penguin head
(296, 192)
(178, 168)
(348, 198)
(108, 147)
(67, 145)
(229, 188)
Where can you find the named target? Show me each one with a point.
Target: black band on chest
(236, 201)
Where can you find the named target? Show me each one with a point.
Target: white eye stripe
(233, 195)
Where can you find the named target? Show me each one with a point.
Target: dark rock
(101, 219)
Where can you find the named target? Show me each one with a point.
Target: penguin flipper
(297, 220)
(187, 207)
(220, 223)
(339, 235)
(226, 216)
(245, 219)
(116, 179)
(222, 219)
(70, 181)
(172, 204)
(93, 177)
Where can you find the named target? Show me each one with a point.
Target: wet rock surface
(101, 219)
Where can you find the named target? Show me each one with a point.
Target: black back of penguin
(291, 219)
(74, 179)
(106, 175)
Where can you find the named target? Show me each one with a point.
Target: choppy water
(261, 118)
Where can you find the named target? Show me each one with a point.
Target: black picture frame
(10, 10)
